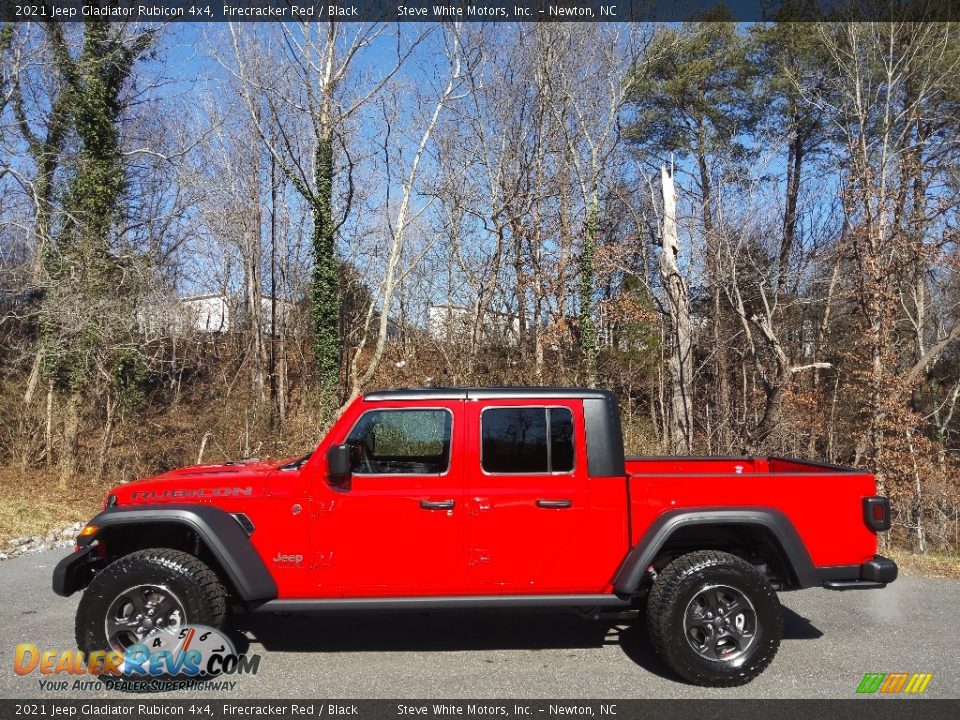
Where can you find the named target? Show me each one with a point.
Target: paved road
(831, 640)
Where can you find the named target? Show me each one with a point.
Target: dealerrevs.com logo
(894, 683)
(166, 659)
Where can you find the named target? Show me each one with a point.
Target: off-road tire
(683, 582)
(195, 585)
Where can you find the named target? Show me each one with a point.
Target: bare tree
(680, 347)
(312, 94)
(400, 225)
(590, 130)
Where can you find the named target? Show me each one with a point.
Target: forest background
(749, 232)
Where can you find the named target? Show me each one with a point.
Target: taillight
(876, 513)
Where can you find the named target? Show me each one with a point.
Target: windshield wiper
(297, 464)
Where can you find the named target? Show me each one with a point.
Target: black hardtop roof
(472, 393)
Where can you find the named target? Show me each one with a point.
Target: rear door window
(526, 440)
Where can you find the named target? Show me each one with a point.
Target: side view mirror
(339, 466)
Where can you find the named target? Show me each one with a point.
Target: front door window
(401, 442)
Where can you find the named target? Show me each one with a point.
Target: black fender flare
(631, 572)
(218, 530)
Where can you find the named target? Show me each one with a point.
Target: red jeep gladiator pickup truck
(486, 497)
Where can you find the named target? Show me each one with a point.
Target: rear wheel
(714, 619)
(145, 591)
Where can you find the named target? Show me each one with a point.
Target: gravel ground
(25, 544)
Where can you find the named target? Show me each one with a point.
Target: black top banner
(475, 10)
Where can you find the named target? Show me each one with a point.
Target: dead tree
(680, 364)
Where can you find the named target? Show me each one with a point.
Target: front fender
(74, 571)
(222, 534)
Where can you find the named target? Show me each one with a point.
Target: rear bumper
(875, 573)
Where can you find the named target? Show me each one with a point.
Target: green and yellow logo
(890, 683)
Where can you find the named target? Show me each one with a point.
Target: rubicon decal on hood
(191, 492)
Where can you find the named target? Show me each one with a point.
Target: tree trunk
(277, 407)
(794, 167)
(588, 328)
(680, 364)
(107, 438)
(713, 277)
(71, 431)
(254, 301)
(326, 277)
(537, 340)
(516, 232)
(48, 428)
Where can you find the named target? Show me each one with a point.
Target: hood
(242, 478)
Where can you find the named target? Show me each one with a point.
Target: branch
(811, 366)
(928, 357)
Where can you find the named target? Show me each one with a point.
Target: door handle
(439, 505)
(554, 504)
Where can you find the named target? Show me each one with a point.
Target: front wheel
(714, 619)
(145, 591)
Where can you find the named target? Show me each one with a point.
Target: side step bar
(872, 575)
(854, 585)
(443, 603)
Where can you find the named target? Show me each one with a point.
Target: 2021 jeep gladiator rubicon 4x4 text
(487, 497)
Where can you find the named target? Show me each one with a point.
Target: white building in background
(284, 314)
(208, 315)
(452, 322)
(447, 320)
(202, 313)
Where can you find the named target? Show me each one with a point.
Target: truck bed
(818, 498)
(680, 465)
